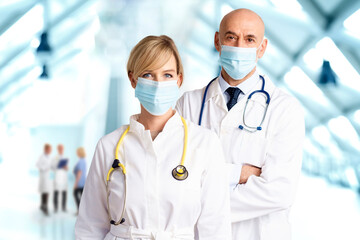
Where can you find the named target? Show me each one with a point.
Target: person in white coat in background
(44, 166)
(261, 129)
(60, 167)
(171, 172)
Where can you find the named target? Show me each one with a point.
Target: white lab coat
(156, 202)
(44, 166)
(259, 208)
(61, 178)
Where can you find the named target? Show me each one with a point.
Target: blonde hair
(151, 53)
(81, 152)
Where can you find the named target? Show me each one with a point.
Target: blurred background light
(87, 93)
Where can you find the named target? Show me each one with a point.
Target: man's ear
(262, 48)
(133, 81)
(217, 42)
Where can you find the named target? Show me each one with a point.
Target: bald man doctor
(263, 153)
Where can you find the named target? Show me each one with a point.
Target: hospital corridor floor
(321, 211)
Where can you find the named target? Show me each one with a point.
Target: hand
(248, 170)
(66, 167)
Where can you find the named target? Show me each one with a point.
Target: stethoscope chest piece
(180, 173)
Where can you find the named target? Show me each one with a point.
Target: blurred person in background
(260, 126)
(80, 175)
(60, 167)
(164, 200)
(44, 166)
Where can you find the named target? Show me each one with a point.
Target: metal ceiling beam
(299, 97)
(17, 77)
(350, 56)
(67, 13)
(344, 9)
(14, 54)
(330, 26)
(340, 37)
(54, 23)
(322, 121)
(296, 60)
(16, 16)
(315, 12)
(18, 92)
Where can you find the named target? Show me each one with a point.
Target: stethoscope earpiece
(115, 223)
(180, 173)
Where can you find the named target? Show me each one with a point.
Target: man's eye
(230, 37)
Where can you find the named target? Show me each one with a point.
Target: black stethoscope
(245, 126)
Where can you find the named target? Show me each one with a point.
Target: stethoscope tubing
(250, 129)
(203, 100)
(180, 173)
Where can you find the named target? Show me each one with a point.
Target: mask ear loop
(259, 48)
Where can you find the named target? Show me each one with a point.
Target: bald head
(241, 28)
(243, 16)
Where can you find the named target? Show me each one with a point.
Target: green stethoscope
(179, 172)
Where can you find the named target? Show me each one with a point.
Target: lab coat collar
(215, 93)
(137, 127)
(214, 90)
(269, 85)
(246, 86)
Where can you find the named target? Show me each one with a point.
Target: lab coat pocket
(109, 236)
(195, 167)
(253, 148)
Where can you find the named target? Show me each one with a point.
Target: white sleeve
(275, 189)
(234, 171)
(214, 221)
(92, 221)
(179, 105)
(40, 164)
(54, 163)
(43, 164)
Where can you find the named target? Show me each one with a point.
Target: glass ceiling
(80, 38)
(351, 24)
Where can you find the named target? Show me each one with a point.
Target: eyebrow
(230, 32)
(251, 36)
(169, 70)
(248, 35)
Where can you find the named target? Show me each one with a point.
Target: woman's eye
(167, 75)
(146, 75)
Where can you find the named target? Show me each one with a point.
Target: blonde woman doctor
(169, 181)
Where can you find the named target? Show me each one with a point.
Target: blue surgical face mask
(157, 97)
(237, 61)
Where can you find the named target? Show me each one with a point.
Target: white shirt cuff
(234, 171)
